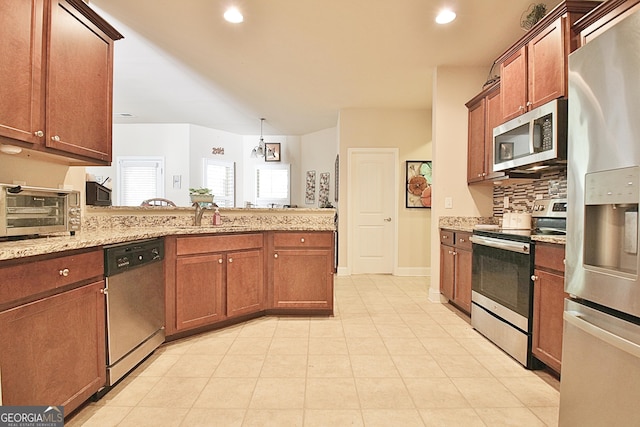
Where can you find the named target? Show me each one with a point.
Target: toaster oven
(33, 210)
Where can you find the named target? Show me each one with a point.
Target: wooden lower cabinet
(52, 351)
(302, 270)
(548, 305)
(245, 282)
(455, 268)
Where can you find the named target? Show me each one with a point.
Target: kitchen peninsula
(259, 261)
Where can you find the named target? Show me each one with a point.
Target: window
(139, 179)
(220, 178)
(272, 185)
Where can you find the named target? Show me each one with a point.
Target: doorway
(373, 210)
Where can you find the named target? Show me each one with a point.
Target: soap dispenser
(217, 220)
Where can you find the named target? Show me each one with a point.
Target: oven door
(501, 278)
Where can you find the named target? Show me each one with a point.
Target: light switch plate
(177, 181)
(448, 203)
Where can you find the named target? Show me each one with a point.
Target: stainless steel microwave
(533, 140)
(34, 210)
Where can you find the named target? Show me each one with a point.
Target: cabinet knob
(39, 133)
(64, 272)
(302, 240)
(534, 277)
(529, 103)
(103, 291)
(55, 138)
(275, 255)
(479, 175)
(230, 259)
(520, 108)
(444, 236)
(462, 240)
(220, 261)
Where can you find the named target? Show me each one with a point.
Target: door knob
(388, 219)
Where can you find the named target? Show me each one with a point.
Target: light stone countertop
(105, 227)
(467, 224)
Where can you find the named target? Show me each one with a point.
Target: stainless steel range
(502, 286)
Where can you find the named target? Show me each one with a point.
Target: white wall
(453, 87)
(319, 154)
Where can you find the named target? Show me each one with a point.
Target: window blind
(220, 178)
(139, 179)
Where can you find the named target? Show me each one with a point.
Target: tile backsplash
(522, 195)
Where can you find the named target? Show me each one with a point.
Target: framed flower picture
(419, 184)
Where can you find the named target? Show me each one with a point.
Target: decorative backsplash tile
(522, 195)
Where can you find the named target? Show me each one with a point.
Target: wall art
(323, 195)
(419, 184)
(310, 193)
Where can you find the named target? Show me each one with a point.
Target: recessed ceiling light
(445, 16)
(233, 15)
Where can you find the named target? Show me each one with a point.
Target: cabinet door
(476, 141)
(513, 85)
(493, 119)
(447, 271)
(245, 282)
(303, 279)
(548, 306)
(199, 282)
(21, 68)
(546, 65)
(462, 287)
(79, 80)
(53, 350)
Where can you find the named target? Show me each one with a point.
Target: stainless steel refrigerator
(600, 382)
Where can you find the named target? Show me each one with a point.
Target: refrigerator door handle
(578, 320)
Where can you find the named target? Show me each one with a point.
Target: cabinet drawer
(21, 281)
(446, 237)
(209, 244)
(462, 240)
(303, 240)
(550, 256)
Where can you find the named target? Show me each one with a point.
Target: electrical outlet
(448, 203)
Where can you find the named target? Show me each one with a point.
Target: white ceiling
(294, 62)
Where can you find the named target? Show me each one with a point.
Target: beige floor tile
(292, 328)
(502, 365)
(548, 415)
(326, 328)
(449, 417)
(394, 330)
(227, 393)
(328, 346)
(428, 330)
(250, 345)
(263, 327)
(360, 330)
(156, 365)
(129, 392)
(383, 393)
(418, 366)
(284, 366)
(392, 417)
(326, 366)
(404, 346)
(154, 417)
(177, 347)
(98, 416)
(204, 417)
(486, 393)
(174, 392)
(278, 393)
(333, 417)
(211, 344)
(373, 366)
(444, 347)
(461, 366)
(247, 365)
(367, 346)
(331, 393)
(512, 417)
(273, 418)
(435, 393)
(195, 365)
(289, 345)
(532, 391)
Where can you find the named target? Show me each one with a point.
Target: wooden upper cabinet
(56, 79)
(534, 70)
(493, 119)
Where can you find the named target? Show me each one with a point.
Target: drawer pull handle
(275, 255)
(64, 272)
(302, 240)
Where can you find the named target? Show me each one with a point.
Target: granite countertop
(467, 224)
(112, 229)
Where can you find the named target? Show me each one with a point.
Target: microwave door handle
(506, 245)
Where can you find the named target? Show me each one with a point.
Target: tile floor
(388, 357)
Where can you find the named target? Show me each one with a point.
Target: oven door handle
(507, 245)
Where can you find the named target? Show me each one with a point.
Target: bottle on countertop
(217, 219)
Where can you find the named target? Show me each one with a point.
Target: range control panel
(551, 208)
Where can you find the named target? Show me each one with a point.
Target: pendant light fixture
(259, 151)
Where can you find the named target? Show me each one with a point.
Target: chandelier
(259, 150)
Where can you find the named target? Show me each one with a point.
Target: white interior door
(373, 207)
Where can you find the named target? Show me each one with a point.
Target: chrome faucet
(198, 213)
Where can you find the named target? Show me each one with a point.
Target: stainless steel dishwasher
(135, 304)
